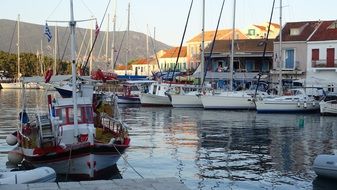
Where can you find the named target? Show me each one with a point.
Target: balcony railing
(322, 63)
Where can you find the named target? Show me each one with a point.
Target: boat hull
(227, 102)
(326, 166)
(328, 108)
(37, 175)
(128, 100)
(154, 100)
(18, 85)
(86, 162)
(186, 101)
(286, 107)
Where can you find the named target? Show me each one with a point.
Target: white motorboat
(18, 85)
(158, 94)
(37, 175)
(132, 90)
(328, 106)
(295, 100)
(325, 165)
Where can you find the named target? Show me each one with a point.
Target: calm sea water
(210, 149)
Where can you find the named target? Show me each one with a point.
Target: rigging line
(213, 42)
(119, 50)
(155, 53)
(264, 49)
(181, 43)
(84, 68)
(85, 5)
(54, 9)
(10, 45)
(65, 48)
(82, 43)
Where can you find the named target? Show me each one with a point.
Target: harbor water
(208, 149)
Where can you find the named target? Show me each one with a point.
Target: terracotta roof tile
(221, 35)
(325, 32)
(305, 29)
(173, 52)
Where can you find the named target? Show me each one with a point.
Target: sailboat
(79, 137)
(230, 99)
(190, 97)
(18, 84)
(293, 100)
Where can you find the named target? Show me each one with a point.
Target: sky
(168, 17)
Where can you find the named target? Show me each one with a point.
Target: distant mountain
(31, 36)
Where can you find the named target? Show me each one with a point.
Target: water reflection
(229, 149)
(208, 149)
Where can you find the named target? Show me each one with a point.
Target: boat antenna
(84, 67)
(213, 42)
(182, 40)
(264, 50)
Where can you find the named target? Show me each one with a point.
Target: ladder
(47, 137)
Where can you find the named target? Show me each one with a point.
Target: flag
(47, 33)
(96, 29)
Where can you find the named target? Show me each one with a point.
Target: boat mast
(202, 61)
(55, 51)
(72, 25)
(113, 38)
(147, 51)
(107, 44)
(127, 40)
(232, 50)
(280, 54)
(18, 47)
(91, 44)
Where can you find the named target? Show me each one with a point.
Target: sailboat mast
(55, 51)
(147, 51)
(127, 40)
(72, 24)
(280, 54)
(202, 61)
(91, 43)
(107, 44)
(232, 50)
(41, 59)
(18, 46)
(113, 39)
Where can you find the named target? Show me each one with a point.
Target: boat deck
(125, 184)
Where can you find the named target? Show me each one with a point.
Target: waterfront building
(193, 45)
(259, 31)
(144, 67)
(308, 53)
(321, 56)
(168, 60)
(248, 60)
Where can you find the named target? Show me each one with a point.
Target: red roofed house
(193, 46)
(322, 56)
(168, 60)
(295, 36)
(308, 53)
(144, 67)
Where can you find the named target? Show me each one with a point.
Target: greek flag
(47, 33)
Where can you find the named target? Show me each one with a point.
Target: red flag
(96, 29)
